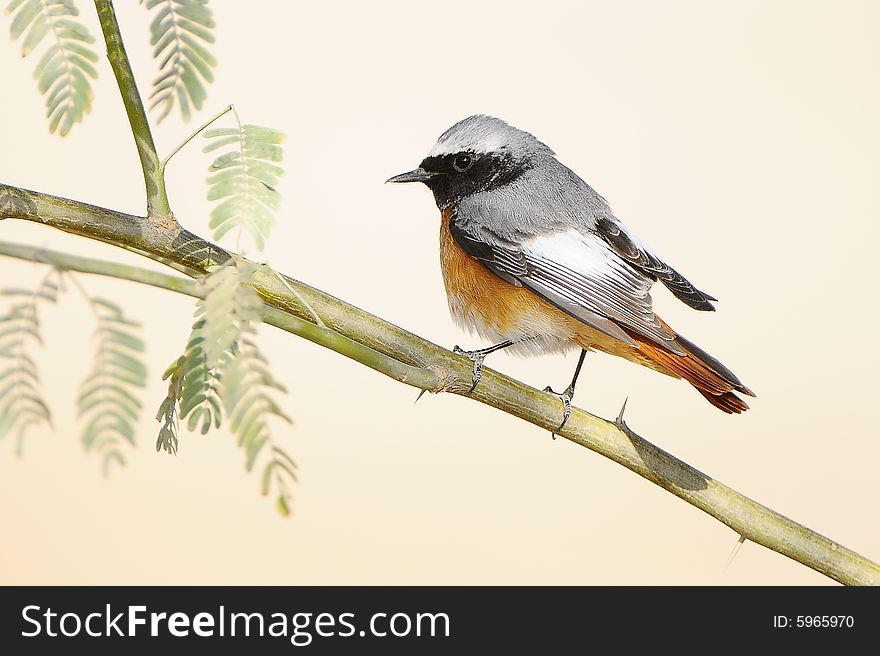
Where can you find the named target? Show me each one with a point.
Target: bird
(534, 261)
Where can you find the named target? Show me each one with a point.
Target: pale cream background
(739, 139)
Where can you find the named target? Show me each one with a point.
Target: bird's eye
(462, 163)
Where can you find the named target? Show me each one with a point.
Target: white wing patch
(574, 269)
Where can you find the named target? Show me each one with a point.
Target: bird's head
(476, 154)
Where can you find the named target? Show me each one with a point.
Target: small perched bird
(534, 260)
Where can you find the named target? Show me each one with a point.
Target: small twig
(237, 118)
(297, 295)
(82, 290)
(165, 161)
(244, 171)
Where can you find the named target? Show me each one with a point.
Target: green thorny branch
(410, 359)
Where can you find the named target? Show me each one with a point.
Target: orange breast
(497, 310)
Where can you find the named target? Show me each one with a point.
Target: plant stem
(154, 180)
(165, 161)
(349, 329)
(418, 377)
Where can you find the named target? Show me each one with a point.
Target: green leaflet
(244, 180)
(64, 69)
(21, 404)
(180, 32)
(108, 408)
(168, 415)
(222, 373)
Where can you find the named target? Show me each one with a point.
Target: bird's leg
(568, 394)
(477, 358)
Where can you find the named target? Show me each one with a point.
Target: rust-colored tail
(711, 378)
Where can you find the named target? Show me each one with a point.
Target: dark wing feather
(578, 273)
(653, 267)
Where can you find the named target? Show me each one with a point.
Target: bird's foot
(477, 356)
(566, 398)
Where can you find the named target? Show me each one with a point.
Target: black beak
(416, 175)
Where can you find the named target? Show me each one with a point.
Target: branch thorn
(736, 547)
(619, 422)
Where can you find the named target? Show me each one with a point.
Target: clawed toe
(566, 398)
(477, 358)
